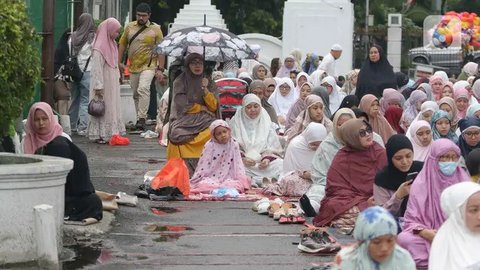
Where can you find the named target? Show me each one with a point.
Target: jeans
(79, 107)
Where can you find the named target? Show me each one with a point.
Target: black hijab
(390, 177)
(349, 101)
(473, 161)
(374, 77)
(463, 124)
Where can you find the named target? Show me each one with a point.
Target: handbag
(72, 70)
(96, 107)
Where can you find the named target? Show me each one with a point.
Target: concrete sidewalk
(187, 235)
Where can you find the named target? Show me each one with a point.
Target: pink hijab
(220, 165)
(423, 209)
(391, 95)
(462, 93)
(33, 140)
(434, 78)
(105, 42)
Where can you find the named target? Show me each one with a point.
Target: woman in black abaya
(376, 74)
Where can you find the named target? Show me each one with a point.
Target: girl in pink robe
(220, 165)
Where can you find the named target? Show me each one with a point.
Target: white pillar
(394, 45)
(46, 236)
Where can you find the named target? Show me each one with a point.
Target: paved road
(194, 235)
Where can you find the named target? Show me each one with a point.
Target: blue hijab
(437, 115)
(374, 222)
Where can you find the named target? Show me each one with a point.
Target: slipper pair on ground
(284, 212)
(318, 241)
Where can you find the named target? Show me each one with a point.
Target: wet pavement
(179, 234)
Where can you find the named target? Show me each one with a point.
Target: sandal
(100, 141)
(285, 220)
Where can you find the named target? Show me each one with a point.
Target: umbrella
(218, 45)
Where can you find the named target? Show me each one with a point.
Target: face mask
(448, 168)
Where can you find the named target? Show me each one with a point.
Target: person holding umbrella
(193, 108)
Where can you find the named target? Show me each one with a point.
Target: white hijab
(297, 89)
(454, 245)
(280, 103)
(420, 152)
(317, 77)
(335, 96)
(442, 75)
(299, 156)
(255, 136)
(426, 106)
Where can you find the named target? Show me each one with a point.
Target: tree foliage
(20, 60)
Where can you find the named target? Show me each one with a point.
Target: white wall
(315, 25)
(271, 46)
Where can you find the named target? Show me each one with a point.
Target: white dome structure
(193, 15)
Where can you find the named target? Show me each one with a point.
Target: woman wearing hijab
(259, 72)
(220, 165)
(392, 183)
(322, 161)
(370, 105)
(424, 216)
(475, 91)
(351, 82)
(426, 111)
(295, 179)
(421, 137)
(473, 164)
(447, 104)
(81, 44)
(469, 69)
(259, 143)
(394, 116)
(44, 136)
(335, 96)
(301, 78)
(473, 110)
(351, 176)
(462, 101)
(282, 99)
(313, 113)
(377, 248)
(311, 63)
(105, 83)
(436, 83)
(350, 101)
(321, 91)
(194, 107)
(287, 67)
(470, 135)
(270, 85)
(457, 242)
(376, 74)
(442, 126)
(425, 87)
(391, 98)
(412, 107)
(317, 76)
(258, 88)
(416, 86)
(299, 105)
(447, 90)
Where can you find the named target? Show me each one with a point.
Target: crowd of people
(370, 157)
(371, 153)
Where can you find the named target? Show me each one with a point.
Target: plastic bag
(225, 192)
(173, 174)
(119, 140)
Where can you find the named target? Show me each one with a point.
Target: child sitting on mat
(220, 165)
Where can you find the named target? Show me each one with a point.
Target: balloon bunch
(453, 25)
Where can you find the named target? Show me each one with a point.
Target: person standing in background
(139, 39)
(81, 44)
(328, 62)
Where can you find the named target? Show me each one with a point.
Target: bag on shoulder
(72, 70)
(96, 107)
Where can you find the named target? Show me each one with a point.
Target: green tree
(20, 59)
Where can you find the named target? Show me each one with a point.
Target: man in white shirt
(328, 62)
